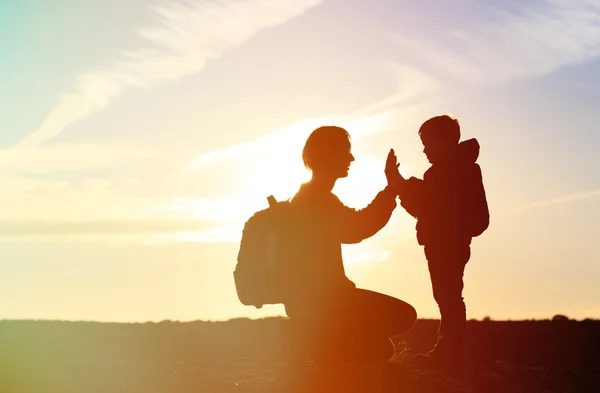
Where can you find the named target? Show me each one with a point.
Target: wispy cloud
(555, 201)
(59, 228)
(285, 136)
(218, 234)
(188, 36)
(69, 157)
(529, 40)
(203, 210)
(388, 114)
(35, 199)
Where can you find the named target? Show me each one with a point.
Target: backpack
(479, 219)
(481, 222)
(264, 264)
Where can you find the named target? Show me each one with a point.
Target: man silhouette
(330, 319)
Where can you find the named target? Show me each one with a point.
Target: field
(244, 356)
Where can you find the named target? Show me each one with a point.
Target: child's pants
(446, 268)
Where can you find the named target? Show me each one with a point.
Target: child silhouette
(451, 208)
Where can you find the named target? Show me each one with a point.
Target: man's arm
(357, 225)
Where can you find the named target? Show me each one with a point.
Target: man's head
(440, 135)
(327, 151)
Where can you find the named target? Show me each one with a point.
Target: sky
(137, 137)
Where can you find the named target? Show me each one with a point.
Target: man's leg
(294, 342)
(362, 323)
(383, 315)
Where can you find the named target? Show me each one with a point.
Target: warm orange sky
(137, 138)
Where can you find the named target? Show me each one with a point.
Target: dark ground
(244, 356)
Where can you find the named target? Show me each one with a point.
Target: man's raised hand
(392, 174)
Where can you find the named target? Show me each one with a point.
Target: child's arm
(411, 191)
(412, 196)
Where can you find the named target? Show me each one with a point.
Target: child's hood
(468, 151)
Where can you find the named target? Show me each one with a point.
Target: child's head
(440, 135)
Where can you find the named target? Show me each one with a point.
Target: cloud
(218, 234)
(388, 114)
(188, 36)
(556, 201)
(203, 209)
(93, 205)
(147, 231)
(58, 228)
(410, 82)
(282, 180)
(34, 199)
(69, 157)
(289, 135)
(525, 42)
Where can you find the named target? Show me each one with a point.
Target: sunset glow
(137, 138)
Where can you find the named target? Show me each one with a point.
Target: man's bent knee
(407, 319)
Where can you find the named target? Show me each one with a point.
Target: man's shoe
(428, 360)
(452, 362)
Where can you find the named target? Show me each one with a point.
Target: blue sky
(135, 139)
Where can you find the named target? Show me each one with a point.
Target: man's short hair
(320, 143)
(443, 127)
